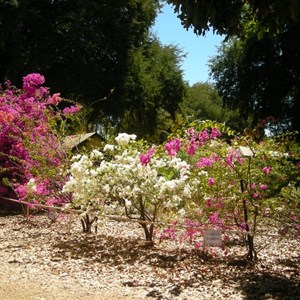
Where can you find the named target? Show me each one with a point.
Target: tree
(96, 48)
(259, 74)
(203, 102)
(225, 17)
(154, 87)
(261, 77)
(82, 47)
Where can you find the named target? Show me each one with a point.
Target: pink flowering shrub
(207, 161)
(238, 183)
(199, 179)
(71, 110)
(173, 146)
(30, 147)
(145, 158)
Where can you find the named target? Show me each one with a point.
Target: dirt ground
(13, 285)
(44, 260)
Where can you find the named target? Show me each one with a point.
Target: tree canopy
(91, 50)
(257, 70)
(80, 46)
(203, 102)
(226, 16)
(262, 78)
(154, 84)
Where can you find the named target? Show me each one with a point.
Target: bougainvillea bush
(197, 179)
(144, 186)
(239, 181)
(202, 177)
(31, 154)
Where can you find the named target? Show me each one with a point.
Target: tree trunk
(252, 255)
(87, 224)
(148, 231)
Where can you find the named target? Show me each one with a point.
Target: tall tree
(154, 87)
(81, 46)
(99, 52)
(203, 102)
(226, 16)
(260, 75)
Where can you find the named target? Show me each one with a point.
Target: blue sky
(198, 49)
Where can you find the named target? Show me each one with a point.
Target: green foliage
(225, 17)
(258, 73)
(84, 48)
(285, 209)
(154, 89)
(222, 16)
(203, 102)
(98, 52)
(260, 77)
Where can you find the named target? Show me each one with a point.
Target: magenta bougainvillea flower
(29, 144)
(173, 146)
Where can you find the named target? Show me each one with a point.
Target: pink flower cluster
(169, 233)
(32, 84)
(234, 157)
(204, 135)
(211, 181)
(29, 145)
(207, 161)
(173, 146)
(198, 139)
(257, 192)
(71, 110)
(145, 158)
(263, 187)
(191, 146)
(55, 99)
(215, 133)
(215, 219)
(192, 229)
(195, 140)
(267, 170)
(33, 80)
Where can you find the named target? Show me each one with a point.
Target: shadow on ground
(115, 250)
(267, 286)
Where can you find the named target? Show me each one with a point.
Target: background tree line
(257, 69)
(102, 54)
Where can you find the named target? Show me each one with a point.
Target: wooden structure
(83, 142)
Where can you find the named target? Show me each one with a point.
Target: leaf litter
(41, 259)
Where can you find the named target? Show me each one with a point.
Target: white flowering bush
(121, 180)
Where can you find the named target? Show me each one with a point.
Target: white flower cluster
(31, 185)
(82, 182)
(124, 138)
(123, 179)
